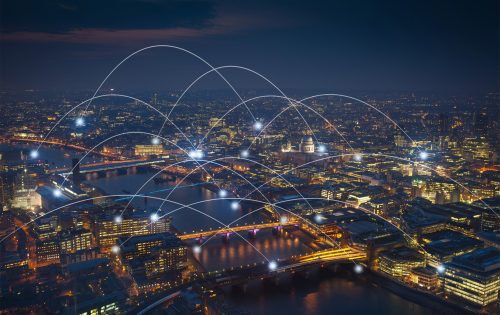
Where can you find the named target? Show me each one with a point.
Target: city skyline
(177, 177)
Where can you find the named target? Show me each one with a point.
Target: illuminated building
(49, 201)
(75, 240)
(475, 276)
(339, 191)
(307, 145)
(489, 219)
(145, 150)
(425, 277)
(400, 261)
(365, 194)
(154, 261)
(107, 230)
(24, 191)
(157, 253)
(216, 122)
(47, 252)
(442, 246)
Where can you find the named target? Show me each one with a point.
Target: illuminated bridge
(108, 166)
(242, 274)
(236, 276)
(251, 228)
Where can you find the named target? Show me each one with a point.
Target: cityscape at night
(258, 157)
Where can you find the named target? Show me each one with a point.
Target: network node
(115, 249)
(118, 219)
(358, 157)
(57, 192)
(440, 269)
(80, 122)
(197, 249)
(196, 154)
(245, 153)
(235, 205)
(257, 125)
(273, 265)
(154, 217)
(34, 154)
(283, 219)
(155, 140)
(358, 268)
(321, 148)
(222, 193)
(423, 155)
(318, 218)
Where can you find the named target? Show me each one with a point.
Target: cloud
(131, 22)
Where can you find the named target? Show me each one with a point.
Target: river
(342, 293)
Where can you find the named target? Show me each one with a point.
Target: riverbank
(421, 297)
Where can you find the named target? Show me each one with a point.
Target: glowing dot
(257, 125)
(440, 269)
(318, 218)
(424, 155)
(115, 249)
(283, 219)
(154, 217)
(235, 205)
(80, 122)
(111, 89)
(322, 148)
(155, 140)
(222, 193)
(245, 153)
(118, 219)
(197, 249)
(196, 154)
(57, 192)
(272, 265)
(358, 268)
(34, 154)
(358, 157)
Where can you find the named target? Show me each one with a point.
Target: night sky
(444, 46)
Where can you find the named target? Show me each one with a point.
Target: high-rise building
(475, 276)
(108, 230)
